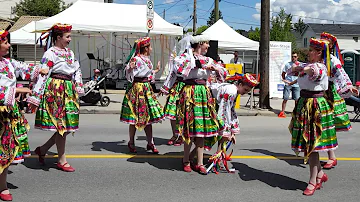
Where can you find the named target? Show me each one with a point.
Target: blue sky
(179, 11)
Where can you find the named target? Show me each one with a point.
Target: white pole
(111, 34)
(35, 45)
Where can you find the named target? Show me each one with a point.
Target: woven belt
(61, 76)
(195, 82)
(141, 79)
(311, 94)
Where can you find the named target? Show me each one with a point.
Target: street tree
(212, 20)
(300, 26)
(39, 8)
(281, 28)
(201, 29)
(254, 34)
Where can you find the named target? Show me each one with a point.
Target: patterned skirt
(312, 126)
(196, 113)
(59, 107)
(14, 145)
(341, 117)
(140, 106)
(173, 97)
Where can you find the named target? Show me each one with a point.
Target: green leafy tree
(39, 8)
(201, 29)
(211, 20)
(302, 54)
(254, 34)
(188, 30)
(300, 26)
(281, 28)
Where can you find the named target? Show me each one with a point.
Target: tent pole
(35, 45)
(111, 37)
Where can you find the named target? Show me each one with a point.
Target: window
(305, 42)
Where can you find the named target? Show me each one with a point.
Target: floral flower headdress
(3, 35)
(142, 42)
(333, 39)
(246, 79)
(323, 45)
(46, 34)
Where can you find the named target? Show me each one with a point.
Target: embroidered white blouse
(225, 95)
(59, 61)
(187, 71)
(10, 69)
(340, 78)
(318, 81)
(143, 68)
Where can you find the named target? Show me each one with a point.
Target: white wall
(308, 34)
(348, 42)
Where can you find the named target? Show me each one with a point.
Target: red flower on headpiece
(3, 34)
(62, 27)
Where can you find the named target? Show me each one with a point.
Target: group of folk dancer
(200, 102)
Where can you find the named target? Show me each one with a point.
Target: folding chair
(256, 93)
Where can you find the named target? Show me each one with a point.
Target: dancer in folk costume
(140, 106)
(225, 95)
(312, 125)
(172, 88)
(56, 96)
(196, 113)
(13, 125)
(340, 87)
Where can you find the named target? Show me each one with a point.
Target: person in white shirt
(236, 59)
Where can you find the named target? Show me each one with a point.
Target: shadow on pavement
(122, 147)
(11, 186)
(288, 158)
(173, 164)
(116, 147)
(157, 141)
(247, 173)
(33, 163)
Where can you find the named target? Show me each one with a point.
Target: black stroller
(93, 95)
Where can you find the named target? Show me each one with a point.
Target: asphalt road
(266, 168)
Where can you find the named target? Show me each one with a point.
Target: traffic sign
(150, 9)
(150, 24)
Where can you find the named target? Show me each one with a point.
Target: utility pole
(264, 54)
(164, 15)
(216, 10)
(194, 18)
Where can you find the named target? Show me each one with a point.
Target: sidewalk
(116, 97)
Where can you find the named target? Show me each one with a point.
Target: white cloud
(139, 2)
(168, 1)
(176, 18)
(326, 11)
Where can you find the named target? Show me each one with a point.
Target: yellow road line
(126, 156)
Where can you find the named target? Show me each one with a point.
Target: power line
(207, 11)
(188, 22)
(173, 5)
(236, 22)
(227, 16)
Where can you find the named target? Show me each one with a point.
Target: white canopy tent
(88, 16)
(228, 38)
(107, 18)
(22, 36)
